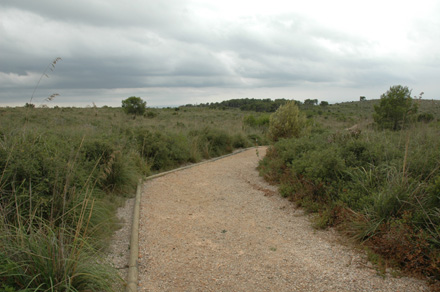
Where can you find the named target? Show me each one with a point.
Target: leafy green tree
(324, 103)
(310, 102)
(286, 122)
(362, 98)
(395, 108)
(134, 105)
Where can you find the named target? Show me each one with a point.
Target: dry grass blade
(50, 67)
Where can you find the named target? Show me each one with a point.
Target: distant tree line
(247, 104)
(258, 105)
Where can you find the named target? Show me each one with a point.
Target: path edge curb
(132, 278)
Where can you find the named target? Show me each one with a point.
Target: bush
(134, 105)
(215, 142)
(425, 117)
(260, 121)
(286, 122)
(383, 186)
(151, 114)
(395, 108)
(239, 141)
(154, 147)
(250, 121)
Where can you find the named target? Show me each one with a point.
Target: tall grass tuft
(39, 254)
(49, 220)
(47, 259)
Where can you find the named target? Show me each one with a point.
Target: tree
(362, 98)
(134, 105)
(324, 103)
(395, 108)
(310, 102)
(286, 122)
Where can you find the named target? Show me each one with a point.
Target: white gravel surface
(220, 227)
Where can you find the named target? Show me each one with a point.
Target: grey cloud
(110, 13)
(162, 44)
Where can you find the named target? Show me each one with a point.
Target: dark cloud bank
(164, 52)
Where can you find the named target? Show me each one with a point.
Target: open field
(66, 170)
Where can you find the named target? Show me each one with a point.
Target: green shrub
(179, 147)
(286, 122)
(395, 108)
(425, 117)
(240, 141)
(256, 139)
(153, 146)
(151, 114)
(259, 121)
(250, 121)
(358, 153)
(325, 165)
(263, 120)
(216, 142)
(381, 185)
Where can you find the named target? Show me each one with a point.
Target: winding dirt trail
(219, 227)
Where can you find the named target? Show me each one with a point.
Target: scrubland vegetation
(64, 171)
(378, 185)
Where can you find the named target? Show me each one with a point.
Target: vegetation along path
(220, 227)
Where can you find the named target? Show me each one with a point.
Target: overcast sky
(174, 52)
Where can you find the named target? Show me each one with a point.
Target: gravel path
(219, 227)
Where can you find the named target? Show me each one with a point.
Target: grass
(66, 170)
(42, 252)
